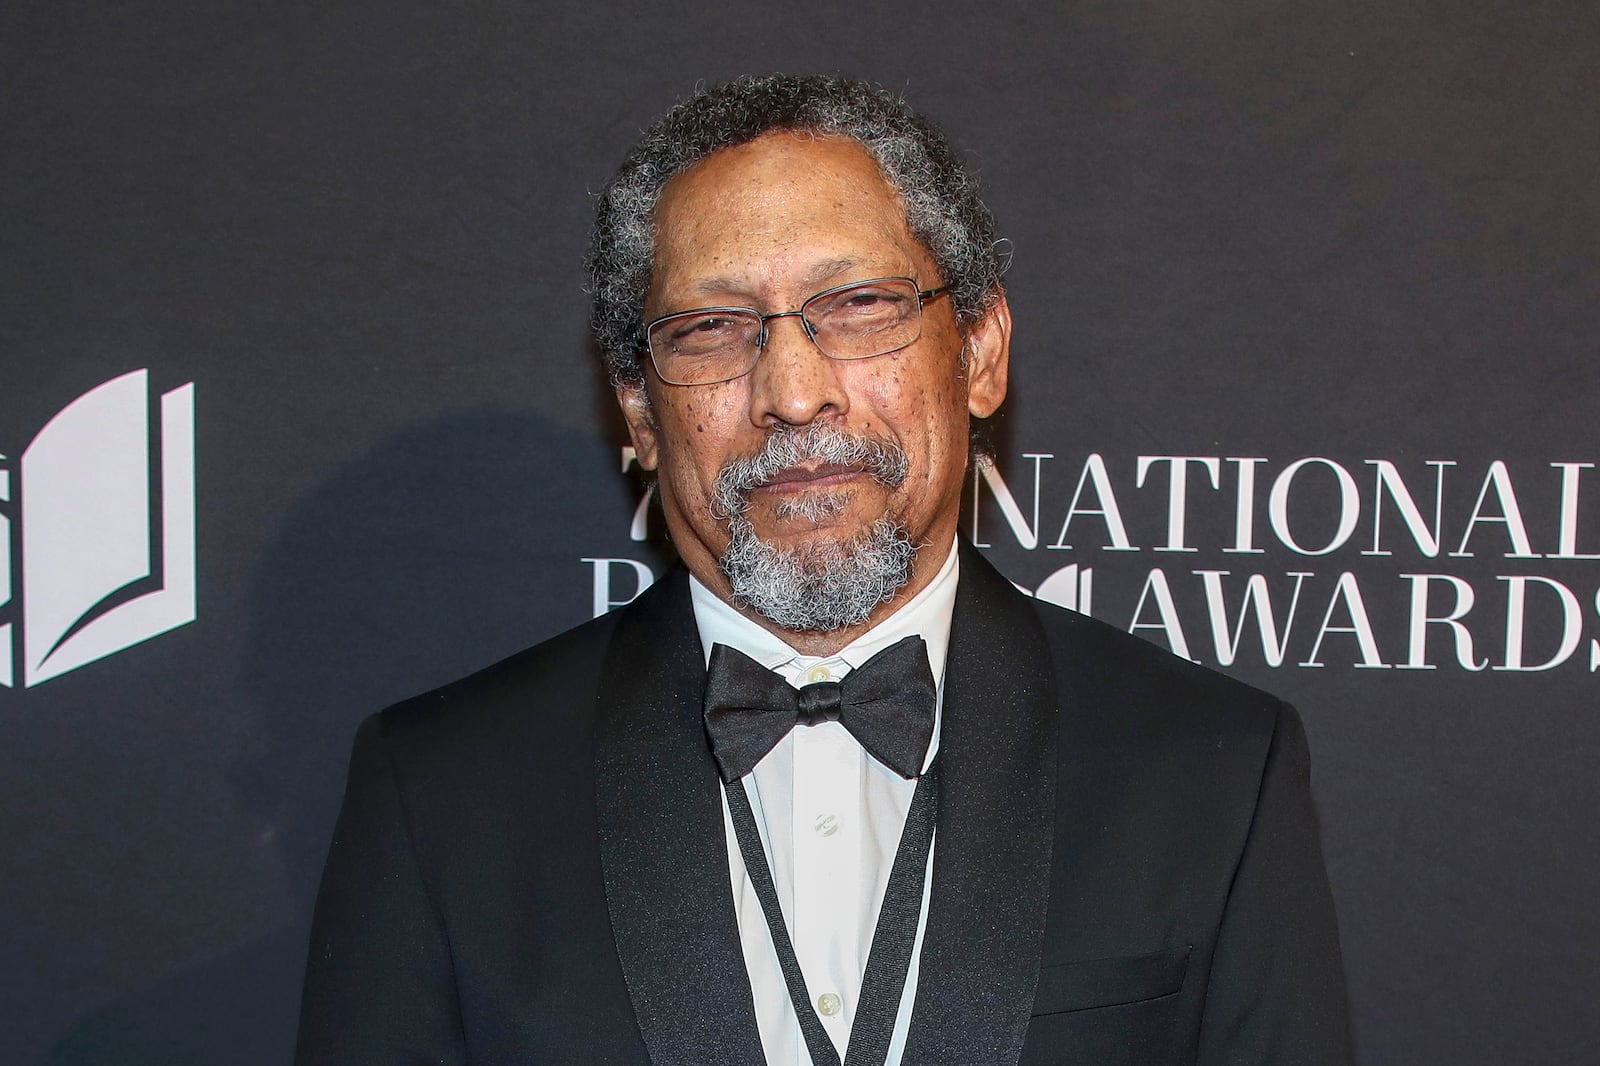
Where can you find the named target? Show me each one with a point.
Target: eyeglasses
(856, 321)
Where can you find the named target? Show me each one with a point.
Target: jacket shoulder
(1121, 686)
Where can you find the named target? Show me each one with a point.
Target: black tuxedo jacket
(530, 866)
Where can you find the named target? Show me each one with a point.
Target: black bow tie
(886, 703)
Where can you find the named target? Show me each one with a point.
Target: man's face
(767, 225)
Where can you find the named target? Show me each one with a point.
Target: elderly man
(834, 791)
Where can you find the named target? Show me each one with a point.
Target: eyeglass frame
(923, 296)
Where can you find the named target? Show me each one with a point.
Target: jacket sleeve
(379, 986)
(1276, 988)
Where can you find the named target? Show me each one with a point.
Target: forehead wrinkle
(743, 219)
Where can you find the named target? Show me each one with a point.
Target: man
(835, 791)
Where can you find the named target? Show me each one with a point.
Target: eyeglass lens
(853, 322)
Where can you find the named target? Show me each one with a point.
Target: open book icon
(101, 530)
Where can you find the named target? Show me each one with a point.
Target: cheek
(696, 435)
(925, 412)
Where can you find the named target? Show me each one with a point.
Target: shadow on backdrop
(445, 548)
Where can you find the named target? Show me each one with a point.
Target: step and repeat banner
(298, 417)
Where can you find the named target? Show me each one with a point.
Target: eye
(874, 303)
(702, 324)
(702, 327)
(874, 297)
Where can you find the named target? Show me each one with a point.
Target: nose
(793, 382)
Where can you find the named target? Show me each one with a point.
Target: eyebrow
(819, 274)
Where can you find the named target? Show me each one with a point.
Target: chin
(826, 580)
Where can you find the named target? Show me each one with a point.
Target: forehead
(773, 217)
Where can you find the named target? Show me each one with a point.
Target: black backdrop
(1361, 234)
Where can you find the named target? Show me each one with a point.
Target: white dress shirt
(830, 817)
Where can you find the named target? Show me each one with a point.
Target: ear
(641, 419)
(989, 359)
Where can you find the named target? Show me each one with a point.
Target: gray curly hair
(940, 198)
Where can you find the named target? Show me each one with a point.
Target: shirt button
(827, 825)
(829, 1004)
(818, 673)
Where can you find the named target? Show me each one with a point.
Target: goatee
(819, 586)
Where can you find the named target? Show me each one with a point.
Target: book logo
(97, 531)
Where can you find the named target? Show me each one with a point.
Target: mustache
(818, 443)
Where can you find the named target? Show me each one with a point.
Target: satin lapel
(662, 841)
(991, 865)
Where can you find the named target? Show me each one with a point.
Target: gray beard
(824, 586)
(818, 587)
